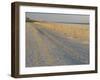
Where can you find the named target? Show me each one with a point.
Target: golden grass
(75, 31)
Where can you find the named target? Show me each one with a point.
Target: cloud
(63, 18)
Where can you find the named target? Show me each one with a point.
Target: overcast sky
(64, 18)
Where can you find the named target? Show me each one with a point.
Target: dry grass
(75, 31)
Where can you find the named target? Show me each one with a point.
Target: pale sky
(63, 18)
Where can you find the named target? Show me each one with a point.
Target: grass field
(75, 31)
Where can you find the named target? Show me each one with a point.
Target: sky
(62, 18)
